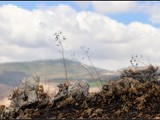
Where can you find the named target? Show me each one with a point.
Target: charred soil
(135, 95)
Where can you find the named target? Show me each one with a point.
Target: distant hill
(50, 70)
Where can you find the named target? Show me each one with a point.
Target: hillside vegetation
(51, 70)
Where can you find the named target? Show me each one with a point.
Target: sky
(113, 31)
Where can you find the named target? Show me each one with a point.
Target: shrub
(150, 73)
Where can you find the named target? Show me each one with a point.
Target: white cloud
(154, 13)
(113, 6)
(28, 35)
(150, 8)
(100, 27)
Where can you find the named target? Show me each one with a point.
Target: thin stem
(64, 63)
(91, 76)
(94, 69)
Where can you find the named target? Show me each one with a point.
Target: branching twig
(59, 43)
(90, 75)
(86, 52)
(84, 67)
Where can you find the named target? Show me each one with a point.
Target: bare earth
(94, 89)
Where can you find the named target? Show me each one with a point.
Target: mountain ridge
(54, 69)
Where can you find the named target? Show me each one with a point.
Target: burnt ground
(129, 97)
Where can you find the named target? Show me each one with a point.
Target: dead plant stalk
(57, 38)
(64, 63)
(83, 65)
(94, 68)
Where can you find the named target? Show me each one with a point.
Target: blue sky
(124, 18)
(116, 29)
(30, 5)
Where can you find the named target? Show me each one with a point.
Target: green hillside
(50, 70)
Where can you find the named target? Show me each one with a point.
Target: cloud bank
(28, 35)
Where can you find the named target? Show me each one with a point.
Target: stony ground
(128, 97)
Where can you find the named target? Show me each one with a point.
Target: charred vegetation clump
(151, 73)
(142, 75)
